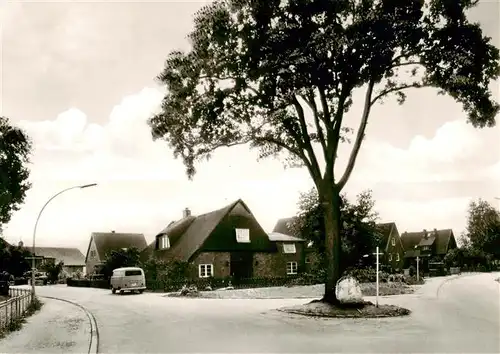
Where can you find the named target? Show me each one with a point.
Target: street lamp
(33, 264)
(377, 253)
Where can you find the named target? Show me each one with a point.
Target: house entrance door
(241, 265)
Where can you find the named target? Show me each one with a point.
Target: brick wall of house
(219, 260)
(275, 264)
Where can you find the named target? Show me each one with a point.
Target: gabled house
(391, 246)
(427, 245)
(102, 243)
(72, 258)
(226, 242)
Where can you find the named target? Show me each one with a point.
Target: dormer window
(242, 235)
(289, 248)
(164, 242)
(393, 242)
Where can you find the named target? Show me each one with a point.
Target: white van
(128, 279)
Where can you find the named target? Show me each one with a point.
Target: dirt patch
(366, 310)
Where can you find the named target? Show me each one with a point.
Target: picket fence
(15, 307)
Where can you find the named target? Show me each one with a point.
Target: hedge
(87, 283)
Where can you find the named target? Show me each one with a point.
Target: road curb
(455, 277)
(94, 329)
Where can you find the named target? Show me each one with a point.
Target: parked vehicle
(4, 283)
(128, 279)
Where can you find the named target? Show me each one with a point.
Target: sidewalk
(59, 327)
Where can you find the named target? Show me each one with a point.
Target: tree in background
(13, 259)
(15, 148)
(359, 233)
(53, 271)
(483, 228)
(280, 76)
(120, 258)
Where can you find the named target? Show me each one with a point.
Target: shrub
(367, 275)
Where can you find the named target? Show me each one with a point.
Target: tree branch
(306, 139)
(310, 101)
(359, 137)
(395, 89)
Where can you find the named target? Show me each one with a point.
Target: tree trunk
(331, 205)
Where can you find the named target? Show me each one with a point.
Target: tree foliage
(13, 259)
(359, 232)
(483, 227)
(15, 148)
(53, 271)
(280, 76)
(120, 258)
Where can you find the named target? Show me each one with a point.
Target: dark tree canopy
(359, 232)
(15, 148)
(255, 66)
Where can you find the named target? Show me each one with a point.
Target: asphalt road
(463, 318)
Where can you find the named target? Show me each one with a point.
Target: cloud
(142, 187)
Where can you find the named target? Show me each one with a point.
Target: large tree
(483, 227)
(15, 148)
(359, 233)
(280, 75)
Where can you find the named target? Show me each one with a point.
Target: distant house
(226, 242)
(427, 245)
(391, 246)
(72, 258)
(102, 243)
(290, 258)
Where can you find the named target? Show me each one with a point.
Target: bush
(412, 280)
(367, 275)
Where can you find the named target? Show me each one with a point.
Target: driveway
(463, 319)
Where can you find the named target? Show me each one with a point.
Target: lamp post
(377, 254)
(33, 259)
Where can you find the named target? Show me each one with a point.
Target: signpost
(377, 260)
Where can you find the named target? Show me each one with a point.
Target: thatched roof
(111, 241)
(191, 233)
(283, 226)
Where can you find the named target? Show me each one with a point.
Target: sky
(79, 77)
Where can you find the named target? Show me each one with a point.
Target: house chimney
(112, 231)
(20, 244)
(435, 231)
(186, 212)
(425, 233)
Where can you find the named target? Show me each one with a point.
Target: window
(129, 273)
(397, 257)
(164, 242)
(308, 260)
(393, 241)
(291, 268)
(426, 248)
(390, 257)
(289, 248)
(205, 270)
(92, 253)
(242, 235)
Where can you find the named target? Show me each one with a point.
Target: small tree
(483, 227)
(120, 258)
(15, 148)
(53, 271)
(279, 75)
(359, 233)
